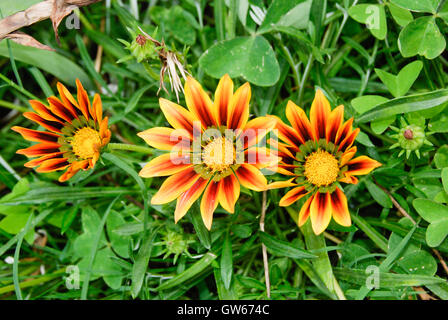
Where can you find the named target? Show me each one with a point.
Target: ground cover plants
(223, 149)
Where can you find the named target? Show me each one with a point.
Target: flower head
(318, 155)
(212, 149)
(76, 133)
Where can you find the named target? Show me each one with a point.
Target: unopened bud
(141, 40)
(408, 134)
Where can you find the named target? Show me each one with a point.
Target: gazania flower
(76, 133)
(318, 155)
(212, 149)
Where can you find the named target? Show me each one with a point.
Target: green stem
(128, 147)
(291, 63)
(20, 89)
(305, 75)
(12, 106)
(321, 264)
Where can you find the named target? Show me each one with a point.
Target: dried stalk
(263, 248)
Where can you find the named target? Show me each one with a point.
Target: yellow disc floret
(321, 168)
(86, 143)
(219, 154)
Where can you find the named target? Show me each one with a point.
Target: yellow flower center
(86, 143)
(321, 168)
(219, 154)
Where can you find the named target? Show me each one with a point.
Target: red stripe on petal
(319, 114)
(252, 178)
(174, 186)
(199, 103)
(37, 136)
(186, 200)
(320, 212)
(165, 165)
(49, 125)
(335, 122)
(238, 113)
(229, 192)
(53, 165)
(178, 117)
(35, 162)
(223, 95)
(40, 149)
(361, 165)
(67, 99)
(299, 122)
(209, 202)
(292, 196)
(167, 138)
(44, 111)
(59, 109)
(340, 209)
(304, 212)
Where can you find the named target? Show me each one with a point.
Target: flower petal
(67, 98)
(304, 212)
(37, 136)
(319, 115)
(44, 111)
(335, 122)
(348, 141)
(282, 184)
(53, 165)
(287, 134)
(186, 200)
(320, 212)
(40, 149)
(165, 165)
(255, 130)
(83, 99)
(166, 138)
(209, 202)
(361, 165)
(348, 155)
(59, 109)
(238, 112)
(199, 103)
(261, 157)
(175, 185)
(343, 131)
(299, 121)
(292, 196)
(229, 192)
(36, 162)
(339, 208)
(250, 177)
(178, 117)
(49, 125)
(223, 95)
(97, 108)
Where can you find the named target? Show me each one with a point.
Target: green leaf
(445, 179)
(437, 215)
(49, 194)
(386, 279)
(366, 103)
(141, 262)
(407, 104)
(295, 13)
(249, 57)
(373, 15)
(283, 248)
(400, 84)
(378, 194)
(136, 98)
(441, 157)
(201, 231)
(226, 261)
(439, 123)
(422, 37)
(400, 15)
(52, 62)
(119, 243)
(223, 293)
(379, 126)
(195, 269)
(429, 6)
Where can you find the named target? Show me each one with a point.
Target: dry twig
(263, 247)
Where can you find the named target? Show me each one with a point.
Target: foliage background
(390, 75)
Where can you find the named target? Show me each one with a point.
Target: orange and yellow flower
(203, 158)
(76, 133)
(317, 153)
